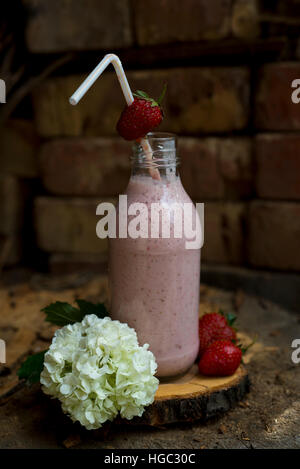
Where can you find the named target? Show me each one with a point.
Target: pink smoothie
(155, 283)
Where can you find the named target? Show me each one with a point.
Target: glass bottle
(155, 281)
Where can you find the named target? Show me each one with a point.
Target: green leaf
(32, 368)
(141, 93)
(231, 318)
(61, 314)
(161, 98)
(86, 307)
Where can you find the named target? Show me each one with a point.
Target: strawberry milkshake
(154, 282)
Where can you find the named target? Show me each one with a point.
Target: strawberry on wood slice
(221, 358)
(214, 326)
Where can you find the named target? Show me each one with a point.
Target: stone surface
(166, 21)
(224, 232)
(278, 166)
(68, 225)
(274, 240)
(62, 25)
(274, 109)
(11, 205)
(267, 418)
(18, 147)
(85, 166)
(216, 168)
(206, 100)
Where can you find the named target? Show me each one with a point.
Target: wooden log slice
(194, 397)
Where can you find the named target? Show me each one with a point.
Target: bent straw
(90, 80)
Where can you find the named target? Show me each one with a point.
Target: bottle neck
(156, 154)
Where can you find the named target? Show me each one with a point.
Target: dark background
(229, 65)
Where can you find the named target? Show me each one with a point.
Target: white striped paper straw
(90, 80)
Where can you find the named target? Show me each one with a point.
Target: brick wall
(19, 145)
(229, 67)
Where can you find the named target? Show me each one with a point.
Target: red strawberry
(141, 117)
(214, 326)
(221, 358)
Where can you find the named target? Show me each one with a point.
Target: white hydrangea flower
(96, 368)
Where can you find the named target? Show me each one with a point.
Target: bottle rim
(163, 151)
(161, 136)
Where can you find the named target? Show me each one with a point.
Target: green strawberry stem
(143, 95)
(245, 349)
(230, 317)
(161, 98)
